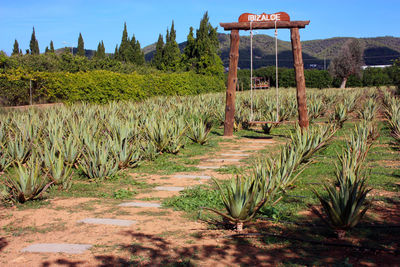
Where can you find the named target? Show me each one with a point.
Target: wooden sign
(280, 16)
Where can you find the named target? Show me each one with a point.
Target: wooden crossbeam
(264, 25)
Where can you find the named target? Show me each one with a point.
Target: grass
(300, 197)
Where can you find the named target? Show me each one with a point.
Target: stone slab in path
(57, 248)
(267, 141)
(169, 188)
(192, 176)
(208, 167)
(224, 160)
(140, 204)
(235, 154)
(107, 221)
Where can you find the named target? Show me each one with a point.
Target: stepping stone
(169, 188)
(261, 141)
(235, 154)
(107, 221)
(222, 160)
(57, 248)
(140, 204)
(208, 167)
(192, 176)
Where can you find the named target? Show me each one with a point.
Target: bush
(101, 86)
(376, 77)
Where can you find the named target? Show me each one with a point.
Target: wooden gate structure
(264, 21)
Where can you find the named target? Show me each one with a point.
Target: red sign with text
(280, 16)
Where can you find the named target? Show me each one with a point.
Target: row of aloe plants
(100, 140)
(392, 112)
(42, 148)
(271, 177)
(345, 200)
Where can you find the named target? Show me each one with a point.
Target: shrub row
(100, 86)
(321, 78)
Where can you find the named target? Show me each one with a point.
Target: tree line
(200, 55)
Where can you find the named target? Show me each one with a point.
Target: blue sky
(61, 21)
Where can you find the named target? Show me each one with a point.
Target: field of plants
(316, 195)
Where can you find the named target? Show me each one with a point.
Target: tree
(15, 48)
(158, 54)
(125, 52)
(188, 55)
(46, 51)
(101, 51)
(348, 61)
(116, 56)
(171, 53)
(34, 44)
(137, 54)
(81, 46)
(52, 47)
(201, 54)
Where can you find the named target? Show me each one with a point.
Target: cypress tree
(206, 49)
(188, 56)
(137, 54)
(172, 54)
(125, 52)
(158, 55)
(46, 51)
(81, 46)
(116, 56)
(34, 45)
(15, 48)
(52, 47)
(100, 53)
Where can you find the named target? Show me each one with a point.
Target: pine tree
(158, 55)
(34, 45)
(52, 47)
(172, 54)
(15, 48)
(81, 46)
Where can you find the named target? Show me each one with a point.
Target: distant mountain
(378, 51)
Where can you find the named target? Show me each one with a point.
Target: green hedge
(101, 86)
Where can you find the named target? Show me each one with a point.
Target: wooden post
(231, 87)
(300, 80)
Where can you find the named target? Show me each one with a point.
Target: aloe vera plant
(5, 158)
(29, 183)
(157, 132)
(243, 198)
(19, 148)
(198, 130)
(283, 166)
(340, 115)
(309, 141)
(344, 207)
(98, 160)
(315, 107)
(393, 117)
(369, 110)
(59, 172)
